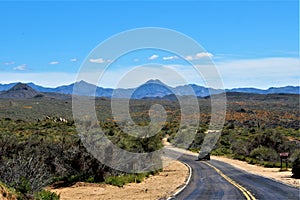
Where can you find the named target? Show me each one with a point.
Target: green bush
(264, 154)
(123, 180)
(271, 138)
(198, 140)
(46, 195)
(271, 164)
(239, 157)
(23, 185)
(221, 152)
(119, 180)
(128, 178)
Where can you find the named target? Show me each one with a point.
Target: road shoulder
(159, 186)
(271, 173)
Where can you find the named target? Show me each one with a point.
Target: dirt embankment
(155, 187)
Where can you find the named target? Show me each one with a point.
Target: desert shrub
(46, 195)
(8, 144)
(272, 138)
(294, 154)
(296, 168)
(128, 178)
(239, 157)
(270, 164)
(35, 154)
(198, 140)
(122, 180)
(32, 155)
(119, 180)
(221, 151)
(239, 147)
(296, 164)
(264, 154)
(251, 160)
(27, 174)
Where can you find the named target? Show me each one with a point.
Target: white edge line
(185, 184)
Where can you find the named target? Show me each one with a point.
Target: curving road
(218, 180)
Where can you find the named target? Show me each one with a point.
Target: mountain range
(150, 89)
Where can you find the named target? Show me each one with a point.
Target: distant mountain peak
(21, 86)
(153, 88)
(154, 81)
(82, 82)
(20, 90)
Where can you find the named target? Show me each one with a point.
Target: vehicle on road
(204, 156)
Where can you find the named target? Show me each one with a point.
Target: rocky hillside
(19, 91)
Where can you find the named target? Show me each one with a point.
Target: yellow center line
(245, 192)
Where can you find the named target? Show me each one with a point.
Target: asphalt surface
(207, 183)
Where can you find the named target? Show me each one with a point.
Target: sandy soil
(159, 186)
(6, 195)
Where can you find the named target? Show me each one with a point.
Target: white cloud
(189, 57)
(203, 54)
(20, 67)
(136, 60)
(199, 56)
(170, 58)
(259, 73)
(49, 79)
(73, 60)
(9, 63)
(129, 77)
(153, 57)
(97, 60)
(54, 63)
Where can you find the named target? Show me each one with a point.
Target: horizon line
(178, 85)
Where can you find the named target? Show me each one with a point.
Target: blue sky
(252, 43)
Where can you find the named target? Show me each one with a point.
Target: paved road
(207, 183)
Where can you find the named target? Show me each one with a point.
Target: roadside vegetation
(257, 129)
(39, 144)
(36, 154)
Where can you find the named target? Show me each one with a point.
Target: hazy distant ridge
(152, 88)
